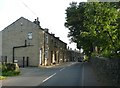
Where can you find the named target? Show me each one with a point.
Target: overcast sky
(51, 14)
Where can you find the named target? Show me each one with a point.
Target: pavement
(59, 65)
(89, 76)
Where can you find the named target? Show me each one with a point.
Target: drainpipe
(19, 47)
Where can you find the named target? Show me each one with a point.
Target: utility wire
(29, 9)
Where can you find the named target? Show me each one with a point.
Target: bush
(10, 73)
(10, 69)
(86, 58)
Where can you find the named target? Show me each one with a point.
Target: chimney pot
(37, 21)
(46, 30)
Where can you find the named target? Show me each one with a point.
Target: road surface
(79, 74)
(70, 74)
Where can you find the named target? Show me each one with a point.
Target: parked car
(80, 59)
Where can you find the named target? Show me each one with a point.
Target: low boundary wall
(108, 70)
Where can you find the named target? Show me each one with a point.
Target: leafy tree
(94, 24)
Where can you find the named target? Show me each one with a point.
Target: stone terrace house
(73, 55)
(28, 44)
(55, 49)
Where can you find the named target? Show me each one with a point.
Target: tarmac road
(79, 74)
(68, 74)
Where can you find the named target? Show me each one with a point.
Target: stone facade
(73, 55)
(16, 35)
(26, 42)
(55, 49)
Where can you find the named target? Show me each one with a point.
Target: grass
(10, 73)
(2, 77)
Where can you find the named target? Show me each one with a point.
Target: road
(70, 74)
(79, 74)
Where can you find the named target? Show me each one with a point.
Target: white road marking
(83, 76)
(48, 77)
(62, 69)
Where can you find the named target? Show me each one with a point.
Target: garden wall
(108, 70)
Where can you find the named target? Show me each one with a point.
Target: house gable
(16, 35)
(19, 24)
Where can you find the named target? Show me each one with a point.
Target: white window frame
(30, 35)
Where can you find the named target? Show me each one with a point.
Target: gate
(22, 61)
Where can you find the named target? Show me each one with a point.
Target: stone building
(28, 44)
(54, 48)
(73, 55)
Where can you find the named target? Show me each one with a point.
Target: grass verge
(2, 77)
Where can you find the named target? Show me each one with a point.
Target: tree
(94, 24)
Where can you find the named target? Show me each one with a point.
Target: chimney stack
(37, 21)
(53, 34)
(46, 30)
(58, 37)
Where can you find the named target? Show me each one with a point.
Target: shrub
(10, 73)
(10, 69)
(86, 58)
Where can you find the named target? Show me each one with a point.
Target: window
(46, 53)
(46, 38)
(30, 35)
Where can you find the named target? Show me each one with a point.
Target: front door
(40, 57)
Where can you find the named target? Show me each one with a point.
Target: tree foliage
(94, 24)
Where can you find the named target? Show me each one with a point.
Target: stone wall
(108, 70)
